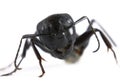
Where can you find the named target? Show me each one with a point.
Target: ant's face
(60, 31)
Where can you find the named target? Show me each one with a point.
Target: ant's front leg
(23, 55)
(83, 40)
(26, 47)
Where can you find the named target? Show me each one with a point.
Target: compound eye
(69, 21)
(65, 22)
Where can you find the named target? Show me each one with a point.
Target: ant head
(59, 29)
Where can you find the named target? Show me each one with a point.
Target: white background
(19, 17)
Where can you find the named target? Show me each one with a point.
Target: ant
(57, 36)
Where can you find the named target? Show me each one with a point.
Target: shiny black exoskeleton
(57, 36)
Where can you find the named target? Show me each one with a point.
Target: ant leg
(26, 47)
(94, 21)
(83, 40)
(89, 28)
(105, 39)
(38, 57)
(16, 66)
(107, 42)
(81, 19)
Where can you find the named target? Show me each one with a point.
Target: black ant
(57, 36)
